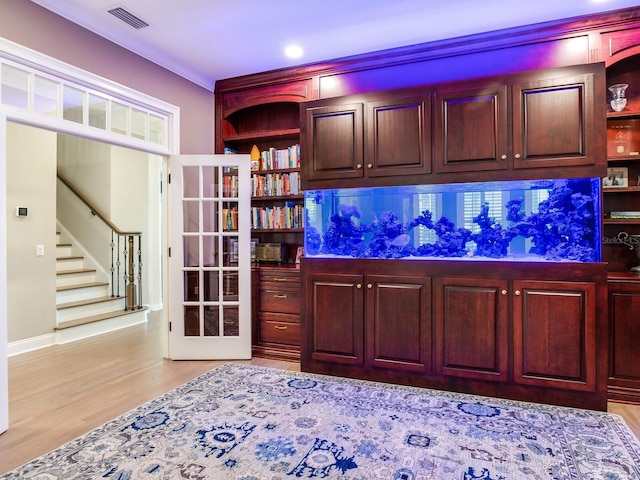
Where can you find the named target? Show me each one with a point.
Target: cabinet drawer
(279, 332)
(279, 278)
(279, 301)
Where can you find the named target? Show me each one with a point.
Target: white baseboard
(30, 344)
(76, 333)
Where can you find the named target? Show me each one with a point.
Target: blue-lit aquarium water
(537, 220)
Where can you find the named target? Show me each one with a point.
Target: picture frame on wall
(617, 177)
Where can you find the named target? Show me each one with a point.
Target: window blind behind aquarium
(556, 220)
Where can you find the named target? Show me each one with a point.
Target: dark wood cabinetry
(554, 334)
(268, 117)
(402, 345)
(377, 136)
(470, 128)
(620, 248)
(522, 126)
(530, 332)
(543, 119)
(335, 313)
(553, 324)
(276, 312)
(624, 366)
(471, 328)
(353, 318)
(441, 129)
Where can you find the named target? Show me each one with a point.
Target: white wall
(135, 206)
(31, 174)
(131, 201)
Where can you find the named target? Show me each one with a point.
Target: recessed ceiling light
(293, 51)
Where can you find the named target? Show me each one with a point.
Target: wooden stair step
(64, 288)
(96, 318)
(71, 257)
(90, 301)
(78, 270)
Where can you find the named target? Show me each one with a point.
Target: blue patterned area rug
(252, 423)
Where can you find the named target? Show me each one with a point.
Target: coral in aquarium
(562, 228)
(451, 241)
(344, 237)
(492, 241)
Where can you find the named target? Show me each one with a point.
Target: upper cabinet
(523, 126)
(558, 118)
(470, 128)
(366, 137)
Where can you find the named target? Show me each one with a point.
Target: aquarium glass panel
(555, 220)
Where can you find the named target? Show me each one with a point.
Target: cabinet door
(398, 137)
(624, 364)
(553, 122)
(333, 137)
(554, 326)
(334, 318)
(398, 327)
(470, 129)
(471, 328)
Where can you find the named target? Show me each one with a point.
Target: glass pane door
(214, 263)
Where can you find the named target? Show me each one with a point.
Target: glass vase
(618, 100)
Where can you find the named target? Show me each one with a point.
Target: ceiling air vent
(128, 17)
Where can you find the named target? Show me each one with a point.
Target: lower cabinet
(527, 332)
(471, 328)
(276, 312)
(345, 334)
(624, 363)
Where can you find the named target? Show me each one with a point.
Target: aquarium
(539, 220)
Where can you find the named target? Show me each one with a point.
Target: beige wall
(32, 26)
(31, 183)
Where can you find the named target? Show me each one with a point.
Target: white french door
(209, 275)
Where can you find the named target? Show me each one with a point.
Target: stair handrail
(94, 210)
(133, 290)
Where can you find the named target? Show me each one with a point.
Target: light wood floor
(59, 393)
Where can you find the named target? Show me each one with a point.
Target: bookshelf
(621, 202)
(264, 121)
(277, 200)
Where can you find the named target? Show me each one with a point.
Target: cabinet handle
(517, 292)
(279, 296)
(503, 292)
(280, 327)
(358, 285)
(503, 157)
(517, 155)
(279, 279)
(369, 285)
(369, 165)
(358, 166)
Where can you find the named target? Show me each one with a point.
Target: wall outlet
(39, 250)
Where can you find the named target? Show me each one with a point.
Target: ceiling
(207, 40)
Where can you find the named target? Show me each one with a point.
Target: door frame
(36, 62)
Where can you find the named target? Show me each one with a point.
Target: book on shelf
(230, 186)
(289, 216)
(230, 219)
(282, 158)
(275, 184)
(623, 215)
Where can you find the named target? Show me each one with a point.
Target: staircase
(84, 303)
